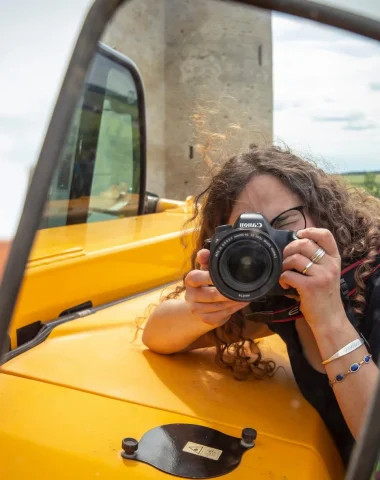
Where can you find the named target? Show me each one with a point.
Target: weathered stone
(197, 57)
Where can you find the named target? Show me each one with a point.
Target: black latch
(189, 451)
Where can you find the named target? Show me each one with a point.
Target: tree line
(371, 184)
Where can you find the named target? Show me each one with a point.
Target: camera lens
(247, 265)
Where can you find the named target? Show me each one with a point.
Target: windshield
(34, 70)
(26, 106)
(210, 82)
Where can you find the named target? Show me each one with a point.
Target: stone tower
(196, 56)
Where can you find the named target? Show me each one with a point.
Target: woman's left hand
(319, 286)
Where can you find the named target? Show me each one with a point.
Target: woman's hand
(204, 300)
(319, 286)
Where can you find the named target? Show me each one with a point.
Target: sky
(36, 40)
(326, 89)
(327, 93)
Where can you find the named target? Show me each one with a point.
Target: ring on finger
(307, 267)
(318, 255)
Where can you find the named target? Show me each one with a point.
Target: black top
(314, 385)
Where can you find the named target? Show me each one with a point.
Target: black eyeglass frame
(299, 208)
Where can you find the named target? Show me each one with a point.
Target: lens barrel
(245, 265)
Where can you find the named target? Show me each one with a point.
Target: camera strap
(284, 309)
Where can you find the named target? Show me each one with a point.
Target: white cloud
(325, 95)
(37, 39)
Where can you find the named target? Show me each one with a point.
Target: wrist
(333, 336)
(334, 325)
(204, 325)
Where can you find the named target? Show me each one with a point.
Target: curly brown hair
(351, 214)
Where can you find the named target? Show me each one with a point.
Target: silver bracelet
(345, 350)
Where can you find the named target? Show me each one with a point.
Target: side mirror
(101, 170)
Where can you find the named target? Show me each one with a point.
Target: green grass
(357, 179)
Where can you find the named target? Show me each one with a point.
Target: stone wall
(138, 31)
(197, 57)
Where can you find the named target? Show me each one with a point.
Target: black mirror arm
(97, 18)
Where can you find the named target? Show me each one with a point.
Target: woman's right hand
(204, 300)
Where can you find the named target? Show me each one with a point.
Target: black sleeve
(371, 323)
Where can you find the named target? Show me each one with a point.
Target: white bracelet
(345, 350)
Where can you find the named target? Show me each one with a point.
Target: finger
(299, 262)
(202, 258)
(204, 295)
(198, 278)
(322, 237)
(295, 296)
(220, 317)
(291, 279)
(305, 247)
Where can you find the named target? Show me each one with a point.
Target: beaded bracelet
(354, 367)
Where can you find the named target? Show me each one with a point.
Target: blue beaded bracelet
(354, 367)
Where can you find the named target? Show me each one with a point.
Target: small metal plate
(190, 451)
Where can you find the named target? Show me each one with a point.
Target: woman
(335, 228)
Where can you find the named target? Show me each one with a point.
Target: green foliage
(371, 184)
(369, 181)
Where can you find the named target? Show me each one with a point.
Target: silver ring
(318, 255)
(307, 267)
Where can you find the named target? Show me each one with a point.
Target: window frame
(126, 62)
(105, 61)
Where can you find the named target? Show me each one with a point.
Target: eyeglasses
(292, 219)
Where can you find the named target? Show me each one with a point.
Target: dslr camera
(246, 258)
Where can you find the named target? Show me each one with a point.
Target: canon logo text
(251, 225)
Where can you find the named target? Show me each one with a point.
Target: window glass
(98, 175)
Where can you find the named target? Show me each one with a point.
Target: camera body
(246, 258)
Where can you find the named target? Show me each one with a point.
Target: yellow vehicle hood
(100, 262)
(95, 384)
